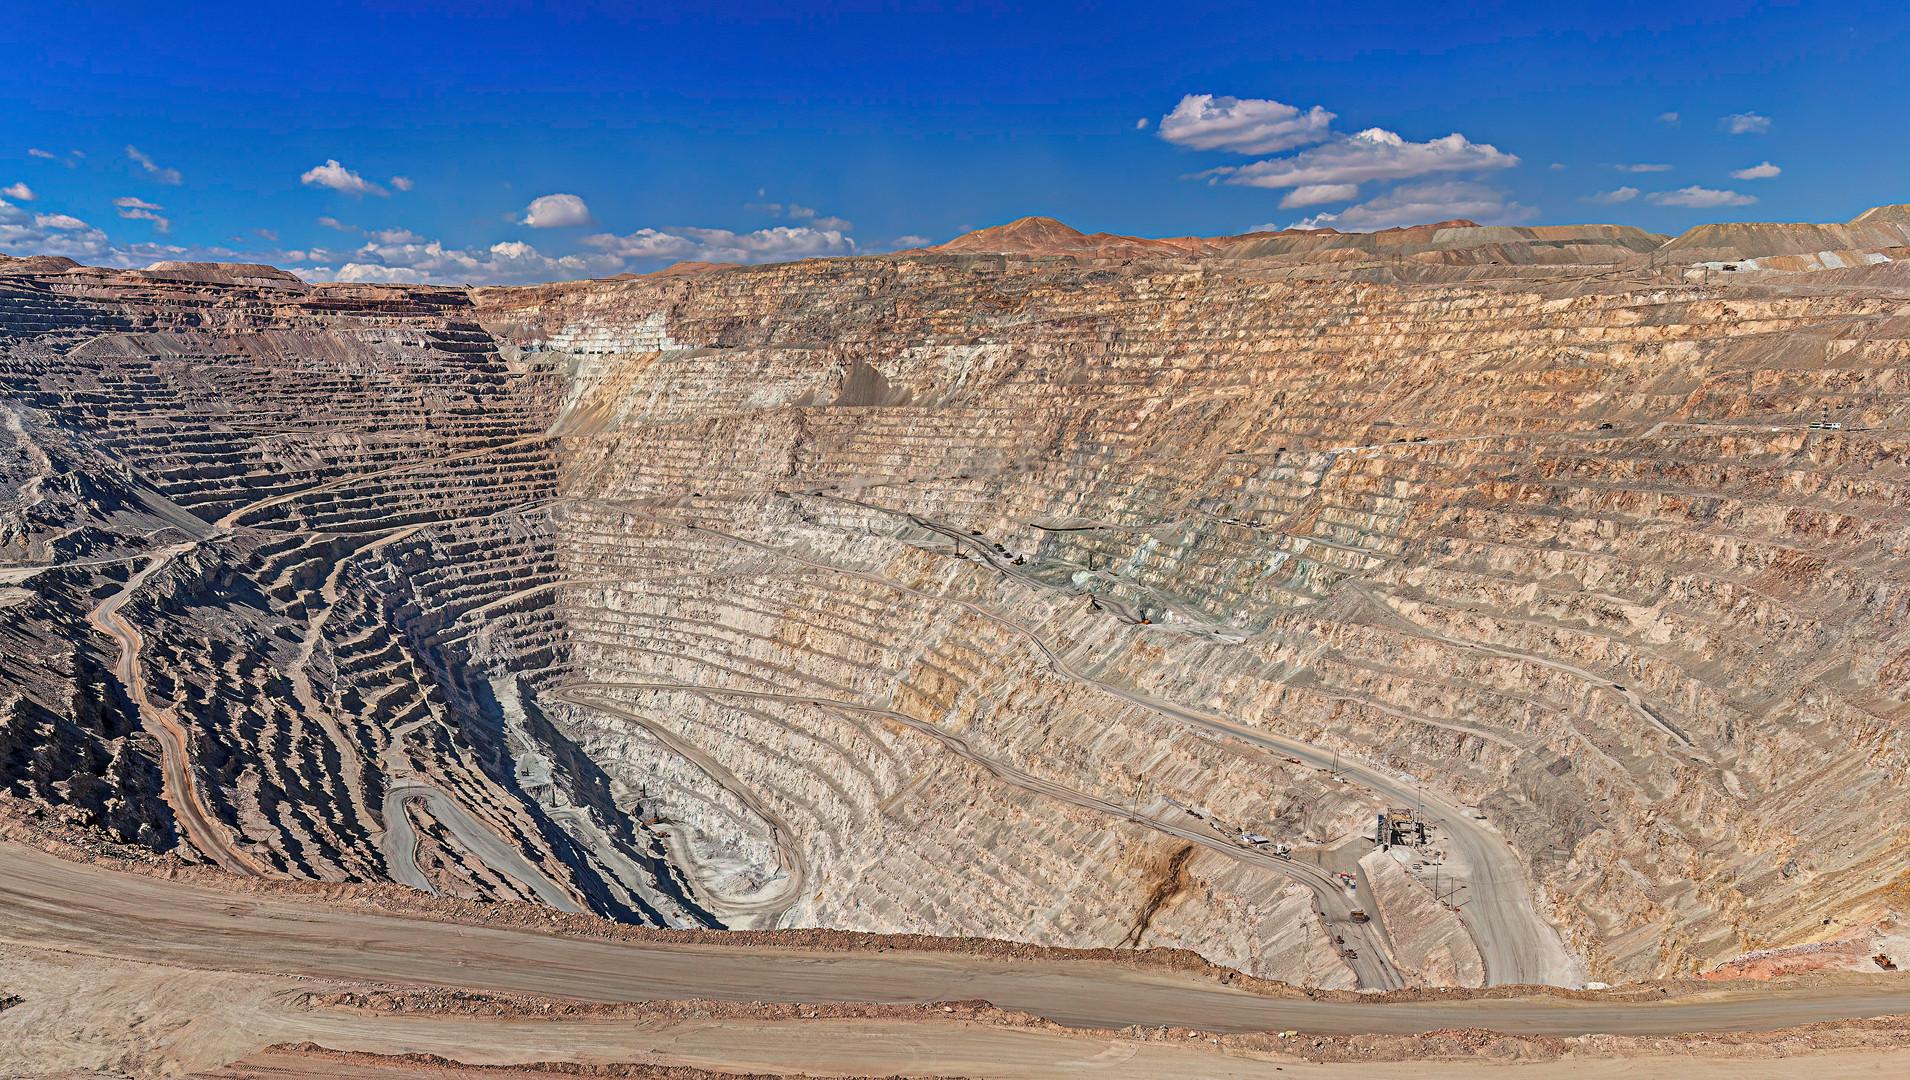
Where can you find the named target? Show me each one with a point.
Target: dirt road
(401, 843)
(181, 791)
(91, 911)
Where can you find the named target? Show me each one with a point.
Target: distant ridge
(1876, 229)
(1511, 244)
(1046, 236)
(1879, 234)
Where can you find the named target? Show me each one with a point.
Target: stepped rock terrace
(1075, 590)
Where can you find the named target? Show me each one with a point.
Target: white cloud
(402, 183)
(797, 210)
(334, 223)
(59, 222)
(1619, 195)
(159, 174)
(1420, 204)
(394, 236)
(39, 153)
(555, 212)
(1315, 194)
(338, 178)
(26, 233)
(1643, 168)
(1668, 118)
(19, 191)
(1699, 197)
(1373, 154)
(139, 210)
(779, 244)
(1243, 125)
(645, 244)
(902, 242)
(1744, 123)
(1141, 124)
(430, 262)
(1756, 172)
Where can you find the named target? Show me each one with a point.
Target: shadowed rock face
(836, 593)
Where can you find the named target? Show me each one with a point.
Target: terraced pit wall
(835, 593)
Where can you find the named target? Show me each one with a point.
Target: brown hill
(1874, 229)
(1046, 236)
(1457, 241)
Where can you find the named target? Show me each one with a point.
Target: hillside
(1000, 589)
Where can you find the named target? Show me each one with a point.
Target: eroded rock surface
(980, 592)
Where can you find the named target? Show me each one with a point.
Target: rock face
(978, 592)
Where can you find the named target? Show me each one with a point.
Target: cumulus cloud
(334, 223)
(1668, 118)
(1419, 204)
(23, 232)
(1141, 124)
(1315, 194)
(1744, 123)
(1643, 168)
(19, 191)
(338, 178)
(59, 222)
(555, 212)
(1756, 172)
(158, 173)
(394, 236)
(430, 262)
(402, 183)
(1699, 197)
(1373, 154)
(140, 210)
(1619, 195)
(1243, 125)
(784, 242)
(905, 242)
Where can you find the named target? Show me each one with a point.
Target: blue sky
(413, 141)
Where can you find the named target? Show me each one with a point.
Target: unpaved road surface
(402, 843)
(91, 911)
(181, 793)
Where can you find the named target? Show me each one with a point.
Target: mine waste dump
(1439, 607)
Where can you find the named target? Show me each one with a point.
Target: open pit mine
(1444, 607)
